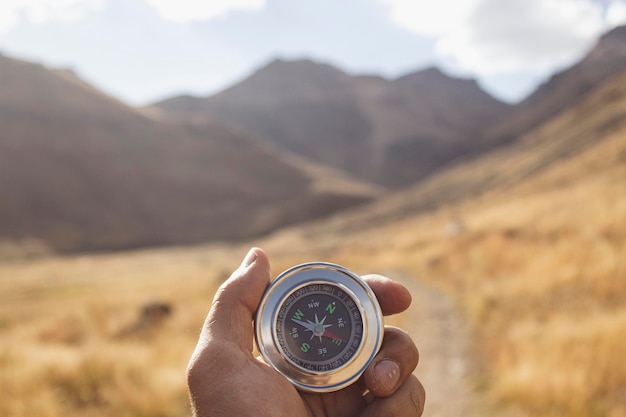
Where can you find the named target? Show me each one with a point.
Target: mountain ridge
(83, 171)
(394, 132)
(365, 125)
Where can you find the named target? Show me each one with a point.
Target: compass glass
(319, 327)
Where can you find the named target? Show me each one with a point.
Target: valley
(514, 251)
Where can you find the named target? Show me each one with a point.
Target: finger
(408, 401)
(234, 304)
(394, 363)
(349, 401)
(392, 296)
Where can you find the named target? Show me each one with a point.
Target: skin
(226, 379)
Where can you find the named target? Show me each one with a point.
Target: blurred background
(474, 150)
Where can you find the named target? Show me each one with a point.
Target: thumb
(234, 305)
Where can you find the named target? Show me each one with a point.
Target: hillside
(565, 89)
(387, 132)
(81, 171)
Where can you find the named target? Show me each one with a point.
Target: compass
(320, 326)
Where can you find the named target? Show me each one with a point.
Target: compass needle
(334, 336)
(308, 326)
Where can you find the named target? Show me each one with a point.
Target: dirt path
(443, 339)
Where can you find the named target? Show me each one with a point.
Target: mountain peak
(282, 80)
(300, 69)
(293, 63)
(618, 33)
(430, 72)
(611, 46)
(433, 76)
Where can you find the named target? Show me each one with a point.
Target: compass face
(319, 327)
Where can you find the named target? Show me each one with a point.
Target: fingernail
(387, 374)
(250, 258)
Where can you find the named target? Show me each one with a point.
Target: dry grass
(59, 321)
(539, 270)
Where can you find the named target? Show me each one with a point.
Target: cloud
(524, 35)
(430, 18)
(488, 37)
(616, 13)
(187, 10)
(12, 12)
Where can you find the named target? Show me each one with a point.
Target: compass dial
(319, 325)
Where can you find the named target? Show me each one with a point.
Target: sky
(141, 51)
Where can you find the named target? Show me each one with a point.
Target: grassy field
(61, 322)
(539, 271)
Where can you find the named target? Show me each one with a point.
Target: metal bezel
(319, 273)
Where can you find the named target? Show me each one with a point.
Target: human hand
(225, 379)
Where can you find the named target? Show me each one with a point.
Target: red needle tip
(333, 336)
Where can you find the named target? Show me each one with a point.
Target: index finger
(392, 296)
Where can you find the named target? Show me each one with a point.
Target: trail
(444, 341)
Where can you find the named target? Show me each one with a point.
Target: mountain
(393, 132)
(81, 171)
(587, 139)
(390, 132)
(563, 90)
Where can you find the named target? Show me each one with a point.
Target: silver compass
(320, 325)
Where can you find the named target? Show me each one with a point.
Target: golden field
(538, 270)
